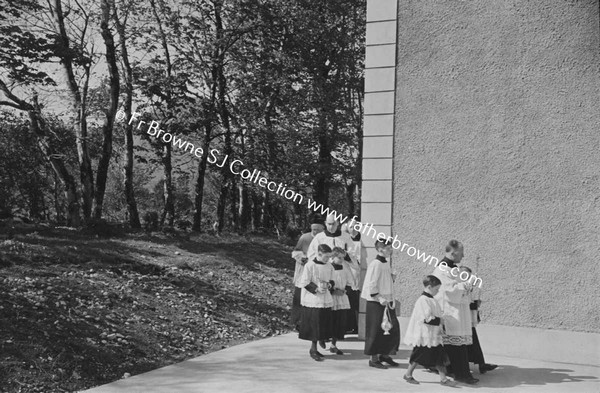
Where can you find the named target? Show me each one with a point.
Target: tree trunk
(266, 216)
(199, 189)
(109, 121)
(132, 210)
(358, 123)
(57, 205)
(324, 164)
(234, 198)
(228, 185)
(78, 105)
(298, 217)
(271, 140)
(350, 189)
(221, 206)
(168, 213)
(257, 211)
(245, 209)
(59, 167)
(322, 182)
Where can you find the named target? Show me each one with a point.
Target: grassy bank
(78, 310)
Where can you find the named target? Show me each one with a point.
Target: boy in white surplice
(424, 333)
(343, 279)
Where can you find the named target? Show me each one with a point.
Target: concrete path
(282, 364)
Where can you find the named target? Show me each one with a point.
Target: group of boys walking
(325, 305)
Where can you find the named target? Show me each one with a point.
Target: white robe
(359, 253)
(316, 273)
(418, 333)
(300, 252)
(378, 280)
(454, 299)
(342, 278)
(344, 241)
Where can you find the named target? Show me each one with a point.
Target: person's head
(316, 228)
(331, 223)
(349, 229)
(337, 255)
(455, 251)
(465, 269)
(432, 285)
(323, 253)
(384, 247)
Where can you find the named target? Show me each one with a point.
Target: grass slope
(77, 310)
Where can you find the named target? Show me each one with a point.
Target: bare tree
(70, 56)
(132, 210)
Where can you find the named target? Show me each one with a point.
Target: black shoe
(377, 364)
(319, 354)
(315, 356)
(389, 361)
(336, 351)
(468, 381)
(484, 368)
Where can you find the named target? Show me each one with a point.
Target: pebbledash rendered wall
(486, 128)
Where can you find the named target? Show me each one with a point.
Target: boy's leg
(334, 348)
(337, 330)
(314, 353)
(410, 369)
(443, 380)
(408, 376)
(442, 371)
(335, 321)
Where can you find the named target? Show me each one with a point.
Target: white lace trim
(458, 340)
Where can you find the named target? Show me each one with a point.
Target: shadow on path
(512, 376)
(358, 354)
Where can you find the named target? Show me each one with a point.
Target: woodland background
(276, 84)
(86, 297)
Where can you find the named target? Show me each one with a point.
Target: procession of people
(441, 329)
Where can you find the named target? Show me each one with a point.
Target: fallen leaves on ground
(79, 311)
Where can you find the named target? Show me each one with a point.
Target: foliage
(275, 84)
(23, 50)
(27, 183)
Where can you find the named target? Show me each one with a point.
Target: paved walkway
(281, 364)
